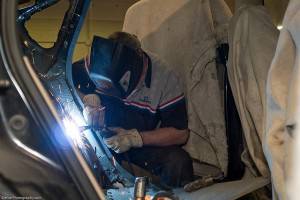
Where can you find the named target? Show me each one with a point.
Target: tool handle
(107, 133)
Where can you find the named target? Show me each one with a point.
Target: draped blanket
(282, 101)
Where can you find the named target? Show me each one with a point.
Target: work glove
(93, 111)
(124, 140)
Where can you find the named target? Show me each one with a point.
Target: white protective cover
(252, 40)
(282, 90)
(185, 33)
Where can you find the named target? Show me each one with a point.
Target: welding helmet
(115, 68)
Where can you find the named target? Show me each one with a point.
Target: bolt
(19, 123)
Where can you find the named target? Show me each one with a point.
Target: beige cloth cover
(282, 88)
(186, 33)
(252, 41)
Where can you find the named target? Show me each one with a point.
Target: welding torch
(84, 128)
(94, 101)
(105, 132)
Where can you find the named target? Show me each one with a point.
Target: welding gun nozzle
(83, 128)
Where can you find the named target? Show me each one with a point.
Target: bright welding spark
(279, 27)
(78, 119)
(72, 131)
(59, 87)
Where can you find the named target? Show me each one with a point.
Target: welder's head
(116, 64)
(127, 39)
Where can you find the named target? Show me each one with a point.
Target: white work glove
(93, 112)
(124, 140)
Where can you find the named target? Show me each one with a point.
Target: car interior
(223, 58)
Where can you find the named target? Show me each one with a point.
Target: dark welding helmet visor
(115, 68)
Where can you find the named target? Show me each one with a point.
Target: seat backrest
(185, 33)
(252, 42)
(175, 29)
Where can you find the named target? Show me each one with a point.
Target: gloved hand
(94, 116)
(124, 140)
(93, 112)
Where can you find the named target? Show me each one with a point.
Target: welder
(143, 103)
